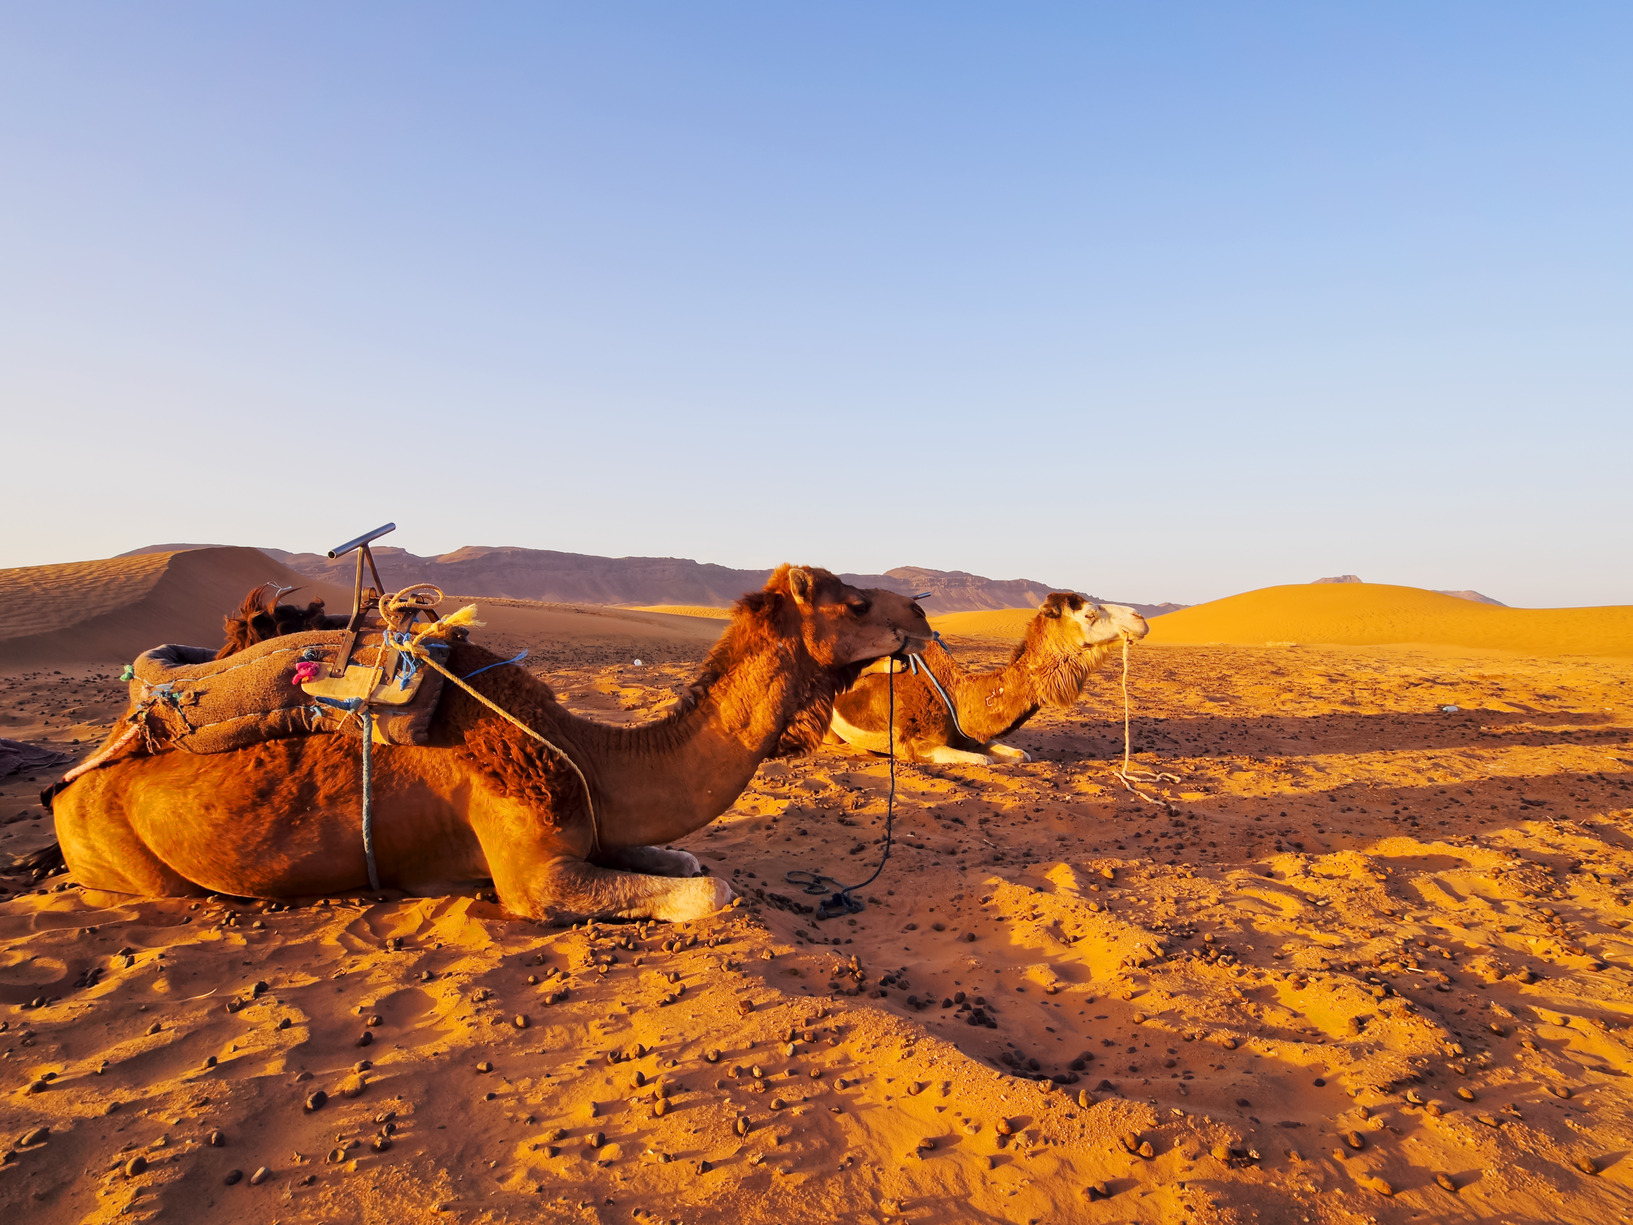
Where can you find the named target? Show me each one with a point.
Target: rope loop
(840, 902)
(1127, 774)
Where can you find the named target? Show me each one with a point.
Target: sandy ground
(1367, 964)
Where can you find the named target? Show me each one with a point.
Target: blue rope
(513, 660)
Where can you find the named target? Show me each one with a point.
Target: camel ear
(800, 584)
(1051, 606)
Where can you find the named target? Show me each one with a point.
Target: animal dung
(136, 1165)
(260, 1176)
(315, 1101)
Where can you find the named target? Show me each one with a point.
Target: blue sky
(1162, 302)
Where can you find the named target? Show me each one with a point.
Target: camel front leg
(651, 860)
(571, 889)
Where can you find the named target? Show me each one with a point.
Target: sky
(1161, 302)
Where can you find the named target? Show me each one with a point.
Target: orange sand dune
(112, 610)
(1008, 624)
(1376, 614)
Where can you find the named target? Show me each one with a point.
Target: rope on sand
(1127, 775)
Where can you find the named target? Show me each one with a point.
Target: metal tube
(378, 532)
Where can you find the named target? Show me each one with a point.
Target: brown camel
(486, 801)
(260, 617)
(1067, 640)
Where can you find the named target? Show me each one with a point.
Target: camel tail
(47, 861)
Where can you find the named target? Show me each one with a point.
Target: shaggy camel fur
(486, 801)
(260, 617)
(1067, 640)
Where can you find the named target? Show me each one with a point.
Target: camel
(485, 801)
(1068, 639)
(260, 617)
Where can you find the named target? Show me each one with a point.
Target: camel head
(844, 627)
(1087, 625)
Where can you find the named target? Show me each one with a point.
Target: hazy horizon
(1164, 303)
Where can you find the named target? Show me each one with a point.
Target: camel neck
(661, 782)
(991, 703)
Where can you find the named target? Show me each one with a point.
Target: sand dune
(1376, 614)
(1003, 624)
(687, 610)
(112, 610)
(589, 633)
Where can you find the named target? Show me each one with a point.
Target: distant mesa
(645, 582)
(1461, 595)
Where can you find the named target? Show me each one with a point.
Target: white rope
(1127, 775)
(589, 799)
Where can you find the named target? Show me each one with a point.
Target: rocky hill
(581, 578)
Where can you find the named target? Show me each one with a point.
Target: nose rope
(1128, 775)
(841, 902)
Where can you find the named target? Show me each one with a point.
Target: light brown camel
(486, 801)
(1067, 640)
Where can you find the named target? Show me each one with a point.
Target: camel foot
(945, 754)
(1007, 753)
(695, 898)
(653, 861)
(574, 890)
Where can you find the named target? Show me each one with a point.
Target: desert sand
(1364, 961)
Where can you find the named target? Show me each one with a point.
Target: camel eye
(858, 606)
